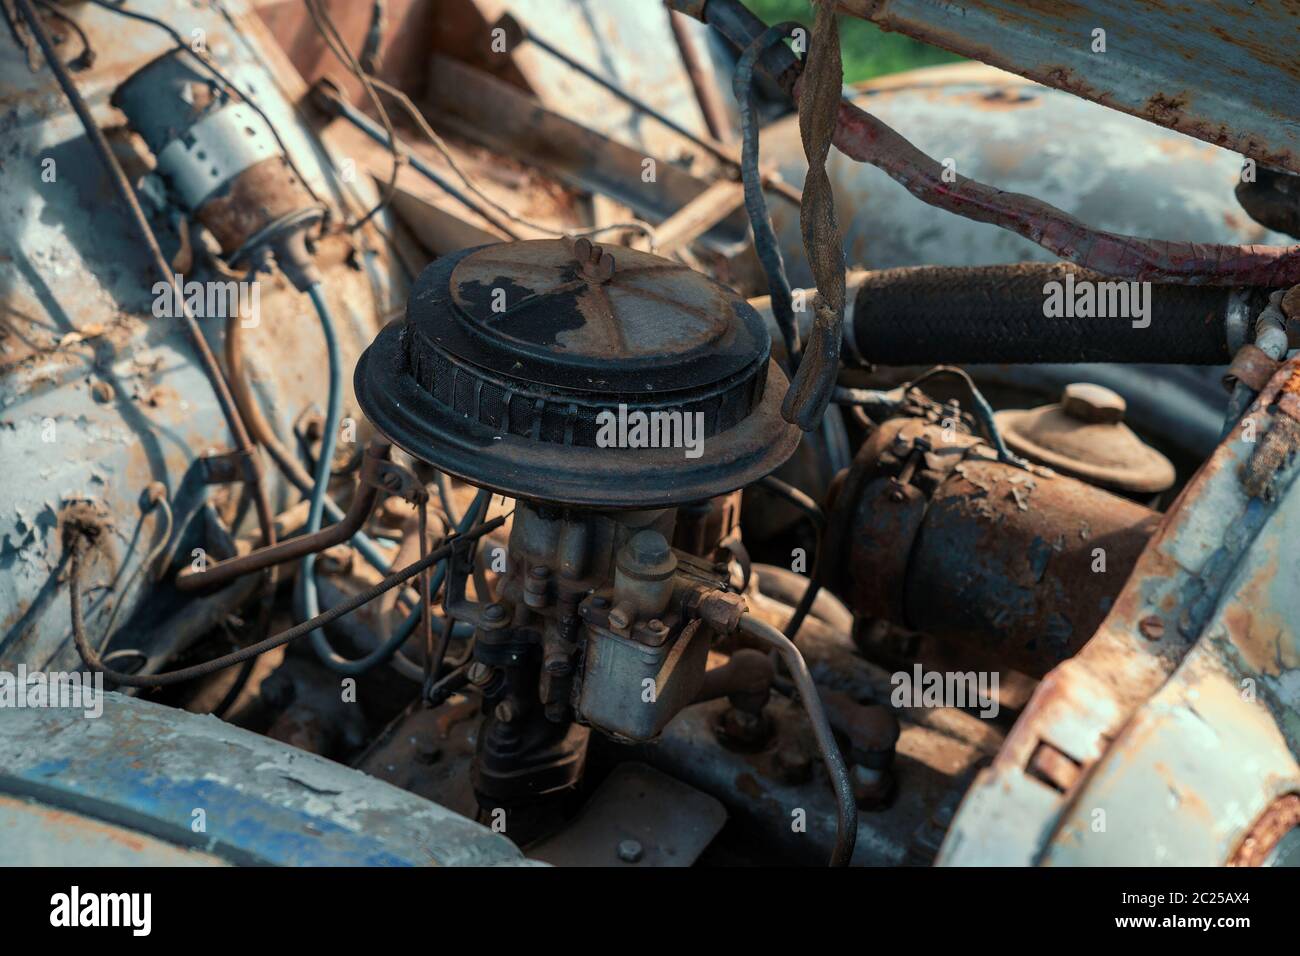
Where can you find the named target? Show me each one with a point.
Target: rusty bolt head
(479, 673)
(1152, 627)
(1094, 404)
(505, 712)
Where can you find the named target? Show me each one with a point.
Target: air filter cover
(560, 371)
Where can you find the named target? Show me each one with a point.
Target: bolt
(1152, 627)
(505, 712)
(630, 851)
(479, 673)
(494, 613)
(1095, 404)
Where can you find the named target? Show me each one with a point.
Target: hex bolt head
(1094, 404)
(647, 548)
(630, 851)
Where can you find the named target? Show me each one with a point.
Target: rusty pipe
(363, 503)
(862, 137)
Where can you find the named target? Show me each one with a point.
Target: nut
(1094, 404)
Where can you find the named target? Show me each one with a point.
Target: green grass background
(868, 51)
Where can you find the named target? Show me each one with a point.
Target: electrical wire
(765, 244)
(846, 817)
(165, 507)
(334, 40)
(389, 649)
(283, 458)
(308, 593)
(817, 517)
(980, 407)
(86, 58)
(135, 214)
(412, 111)
(76, 539)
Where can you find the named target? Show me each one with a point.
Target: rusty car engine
(448, 429)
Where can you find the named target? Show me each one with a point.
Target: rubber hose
(961, 315)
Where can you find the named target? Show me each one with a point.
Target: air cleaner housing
(560, 371)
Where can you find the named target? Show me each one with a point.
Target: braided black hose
(996, 314)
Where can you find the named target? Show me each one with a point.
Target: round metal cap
(1085, 436)
(560, 370)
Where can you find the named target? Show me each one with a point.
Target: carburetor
(601, 390)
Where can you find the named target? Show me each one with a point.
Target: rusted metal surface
(592, 301)
(1276, 822)
(576, 154)
(1126, 176)
(35, 834)
(1220, 71)
(599, 37)
(1025, 565)
(637, 817)
(1143, 708)
(1084, 435)
(864, 138)
(1021, 566)
(147, 768)
(257, 199)
(98, 397)
(373, 480)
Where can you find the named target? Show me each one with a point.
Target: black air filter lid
(510, 354)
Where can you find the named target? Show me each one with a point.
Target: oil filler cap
(1085, 436)
(559, 370)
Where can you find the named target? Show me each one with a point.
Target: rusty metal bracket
(393, 479)
(1277, 448)
(1251, 366)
